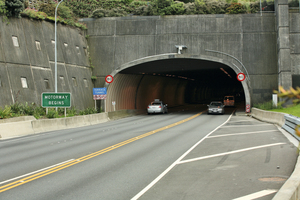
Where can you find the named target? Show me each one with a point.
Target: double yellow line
(59, 167)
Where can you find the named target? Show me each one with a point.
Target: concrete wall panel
(82, 94)
(14, 54)
(40, 76)
(294, 43)
(295, 63)
(102, 54)
(96, 27)
(136, 27)
(5, 97)
(294, 22)
(257, 58)
(48, 32)
(35, 43)
(63, 81)
(21, 94)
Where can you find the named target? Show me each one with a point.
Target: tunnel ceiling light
(225, 72)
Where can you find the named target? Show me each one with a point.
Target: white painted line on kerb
(34, 172)
(234, 134)
(229, 152)
(175, 163)
(248, 125)
(256, 195)
(243, 120)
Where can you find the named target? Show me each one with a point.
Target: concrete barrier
(26, 125)
(13, 129)
(291, 188)
(267, 116)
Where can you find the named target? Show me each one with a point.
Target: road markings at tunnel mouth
(54, 168)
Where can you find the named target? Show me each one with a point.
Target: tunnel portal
(176, 81)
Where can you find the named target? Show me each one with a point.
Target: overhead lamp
(180, 47)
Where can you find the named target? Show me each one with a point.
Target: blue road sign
(99, 91)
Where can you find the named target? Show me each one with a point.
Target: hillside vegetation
(69, 11)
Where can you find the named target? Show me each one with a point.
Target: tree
(14, 7)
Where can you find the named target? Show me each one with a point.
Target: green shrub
(5, 113)
(190, 8)
(39, 111)
(217, 7)
(117, 12)
(267, 106)
(236, 8)
(254, 7)
(14, 7)
(3, 10)
(146, 10)
(34, 14)
(48, 8)
(52, 114)
(174, 9)
(71, 112)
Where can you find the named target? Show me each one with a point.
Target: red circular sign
(109, 79)
(241, 77)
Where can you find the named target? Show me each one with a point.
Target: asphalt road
(119, 159)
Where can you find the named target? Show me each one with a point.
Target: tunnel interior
(175, 81)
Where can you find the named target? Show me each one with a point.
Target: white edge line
(225, 135)
(256, 195)
(34, 172)
(248, 125)
(230, 152)
(137, 196)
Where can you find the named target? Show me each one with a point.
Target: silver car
(216, 107)
(157, 106)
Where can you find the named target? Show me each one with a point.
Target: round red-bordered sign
(241, 76)
(109, 79)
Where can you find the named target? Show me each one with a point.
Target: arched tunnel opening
(177, 81)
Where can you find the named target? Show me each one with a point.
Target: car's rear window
(155, 104)
(228, 98)
(215, 104)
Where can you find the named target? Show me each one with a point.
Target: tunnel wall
(137, 91)
(250, 38)
(35, 62)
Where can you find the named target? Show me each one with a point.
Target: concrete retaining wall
(27, 51)
(27, 125)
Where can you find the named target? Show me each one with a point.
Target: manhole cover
(272, 179)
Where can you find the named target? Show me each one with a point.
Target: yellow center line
(87, 157)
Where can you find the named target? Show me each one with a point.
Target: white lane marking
(137, 196)
(229, 152)
(248, 125)
(243, 120)
(215, 136)
(256, 195)
(34, 172)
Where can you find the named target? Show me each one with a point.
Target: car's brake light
(148, 106)
(159, 106)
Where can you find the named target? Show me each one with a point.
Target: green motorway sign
(61, 100)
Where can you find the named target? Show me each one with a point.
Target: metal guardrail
(290, 124)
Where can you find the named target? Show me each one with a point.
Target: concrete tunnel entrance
(174, 80)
